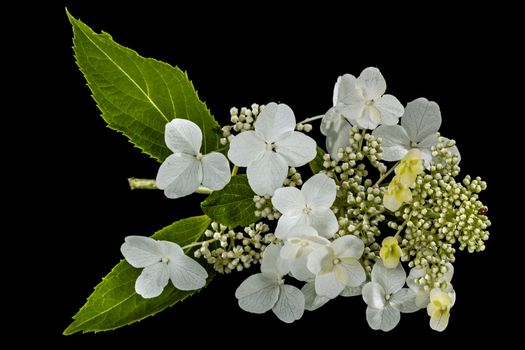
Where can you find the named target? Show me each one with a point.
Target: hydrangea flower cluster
(383, 199)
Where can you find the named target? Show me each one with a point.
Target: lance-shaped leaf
(114, 303)
(137, 95)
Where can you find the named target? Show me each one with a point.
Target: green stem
(196, 244)
(142, 184)
(234, 170)
(149, 184)
(311, 119)
(403, 225)
(385, 175)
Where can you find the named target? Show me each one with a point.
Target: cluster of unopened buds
(354, 227)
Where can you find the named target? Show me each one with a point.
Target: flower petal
(351, 291)
(152, 280)
(312, 301)
(404, 300)
(183, 136)
(392, 280)
(186, 273)
(346, 90)
(215, 171)
(267, 173)
(288, 200)
(391, 109)
(415, 273)
(290, 304)
(140, 251)
(246, 147)
(384, 319)
(370, 118)
(274, 121)
(372, 82)
(327, 285)
(320, 260)
(395, 144)
(307, 234)
(350, 272)
(324, 221)
(272, 264)
(170, 250)
(319, 191)
(299, 270)
(374, 295)
(257, 294)
(421, 119)
(348, 246)
(439, 320)
(336, 128)
(296, 148)
(179, 175)
(290, 251)
(286, 224)
(354, 111)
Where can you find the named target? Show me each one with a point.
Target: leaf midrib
(126, 74)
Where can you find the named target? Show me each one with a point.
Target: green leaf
(233, 205)
(137, 95)
(317, 163)
(114, 302)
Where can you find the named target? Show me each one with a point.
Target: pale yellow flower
(410, 167)
(396, 194)
(439, 308)
(390, 252)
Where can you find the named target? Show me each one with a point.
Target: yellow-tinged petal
(396, 194)
(439, 309)
(391, 202)
(410, 167)
(390, 252)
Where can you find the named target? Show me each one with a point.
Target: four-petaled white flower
(386, 298)
(363, 100)
(162, 261)
(334, 125)
(337, 266)
(266, 290)
(308, 206)
(419, 126)
(301, 241)
(271, 148)
(182, 172)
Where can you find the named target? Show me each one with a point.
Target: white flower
(439, 308)
(386, 297)
(334, 125)
(308, 206)
(419, 126)
(182, 172)
(301, 241)
(266, 290)
(336, 266)
(271, 148)
(162, 261)
(362, 101)
(422, 293)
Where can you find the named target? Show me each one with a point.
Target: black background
(237, 56)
